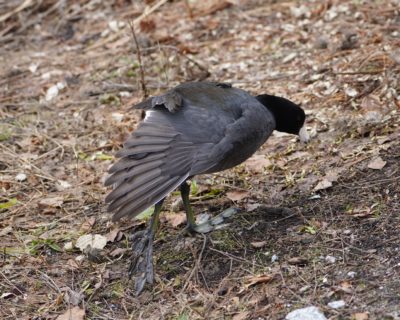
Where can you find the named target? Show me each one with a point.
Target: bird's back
(197, 127)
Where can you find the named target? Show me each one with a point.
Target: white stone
(20, 177)
(308, 313)
(336, 304)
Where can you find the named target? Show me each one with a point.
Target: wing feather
(153, 162)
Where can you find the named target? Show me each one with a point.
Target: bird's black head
(289, 117)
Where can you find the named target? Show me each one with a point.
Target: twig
(50, 282)
(21, 7)
(150, 11)
(10, 283)
(196, 266)
(139, 57)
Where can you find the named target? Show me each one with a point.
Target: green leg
(142, 259)
(185, 191)
(206, 226)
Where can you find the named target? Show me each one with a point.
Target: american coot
(195, 128)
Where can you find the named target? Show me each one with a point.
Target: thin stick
(139, 57)
(21, 7)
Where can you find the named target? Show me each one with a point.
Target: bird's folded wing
(154, 161)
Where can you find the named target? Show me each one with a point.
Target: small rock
(330, 259)
(62, 185)
(351, 274)
(274, 258)
(321, 43)
(20, 177)
(80, 258)
(33, 67)
(68, 246)
(351, 92)
(117, 116)
(336, 304)
(308, 313)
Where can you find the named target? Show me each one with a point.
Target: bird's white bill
(304, 137)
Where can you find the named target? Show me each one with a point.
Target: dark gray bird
(195, 128)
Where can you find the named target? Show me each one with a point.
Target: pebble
(336, 304)
(308, 313)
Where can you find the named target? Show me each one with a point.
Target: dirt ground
(318, 223)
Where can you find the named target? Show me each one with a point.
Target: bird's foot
(142, 259)
(218, 222)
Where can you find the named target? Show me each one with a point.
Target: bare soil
(318, 223)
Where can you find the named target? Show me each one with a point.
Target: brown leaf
(147, 25)
(88, 224)
(323, 184)
(252, 206)
(74, 313)
(298, 261)
(237, 195)
(118, 252)
(360, 316)
(73, 264)
(112, 235)
(241, 316)
(52, 202)
(377, 163)
(257, 163)
(176, 219)
(258, 244)
(346, 287)
(258, 279)
(360, 212)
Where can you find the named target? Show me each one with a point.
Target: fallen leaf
(257, 163)
(360, 316)
(346, 287)
(72, 297)
(176, 219)
(62, 185)
(118, 252)
(332, 175)
(96, 241)
(360, 212)
(5, 230)
(241, 316)
(145, 214)
(8, 204)
(52, 202)
(257, 280)
(300, 261)
(74, 313)
(252, 206)
(258, 244)
(377, 163)
(88, 224)
(113, 234)
(323, 184)
(73, 264)
(237, 195)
